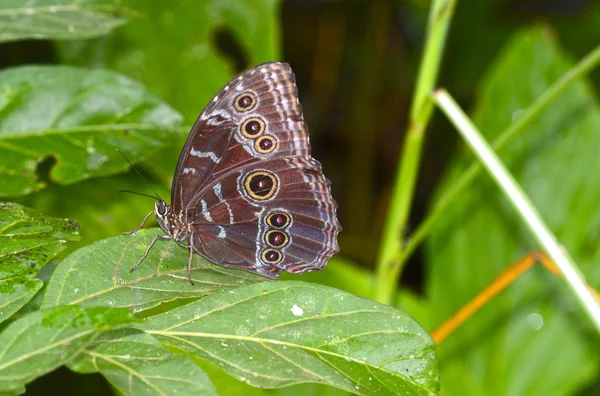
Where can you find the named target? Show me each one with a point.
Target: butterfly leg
(156, 237)
(140, 226)
(190, 265)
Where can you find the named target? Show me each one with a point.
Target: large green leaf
(28, 241)
(59, 19)
(42, 341)
(98, 274)
(530, 339)
(78, 117)
(136, 364)
(275, 334)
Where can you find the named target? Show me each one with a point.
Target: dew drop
(297, 311)
(535, 321)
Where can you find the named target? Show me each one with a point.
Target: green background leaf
(173, 49)
(41, 341)
(98, 274)
(28, 241)
(275, 334)
(78, 117)
(517, 334)
(59, 19)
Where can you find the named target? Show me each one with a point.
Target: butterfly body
(246, 192)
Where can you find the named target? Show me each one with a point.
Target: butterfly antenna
(137, 193)
(142, 176)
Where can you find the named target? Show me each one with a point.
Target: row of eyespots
(253, 127)
(276, 237)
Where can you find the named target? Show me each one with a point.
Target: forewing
(225, 135)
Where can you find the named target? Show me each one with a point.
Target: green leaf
(96, 204)
(28, 241)
(59, 19)
(173, 50)
(136, 363)
(230, 386)
(42, 341)
(342, 274)
(15, 294)
(161, 277)
(531, 336)
(276, 334)
(77, 117)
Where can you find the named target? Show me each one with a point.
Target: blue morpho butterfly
(246, 193)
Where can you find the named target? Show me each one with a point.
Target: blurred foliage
(60, 19)
(184, 52)
(356, 62)
(173, 47)
(551, 160)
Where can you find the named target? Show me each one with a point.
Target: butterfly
(246, 193)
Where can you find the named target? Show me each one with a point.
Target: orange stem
(507, 277)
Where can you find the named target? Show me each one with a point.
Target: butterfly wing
(265, 97)
(269, 216)
(259, 201)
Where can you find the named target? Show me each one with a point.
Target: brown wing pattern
(219, 142)
(256, 199)
(237, 226)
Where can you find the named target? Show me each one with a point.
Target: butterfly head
(163, 214)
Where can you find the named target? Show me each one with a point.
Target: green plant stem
(521, 203)
(389, 266)
(577, 72)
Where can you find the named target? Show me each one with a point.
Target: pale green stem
(580, 70)
(521, 202)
